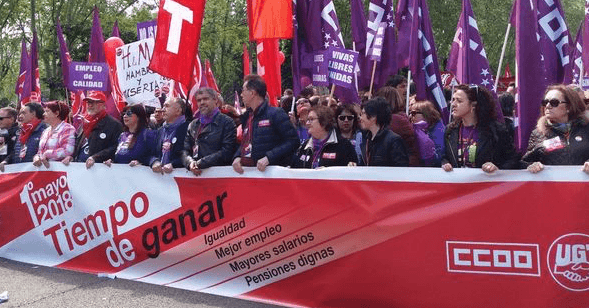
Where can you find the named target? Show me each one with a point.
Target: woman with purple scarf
(134, 145)
(211, 137)
(325, 147)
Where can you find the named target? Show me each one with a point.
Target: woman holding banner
(134, 145)
(474, 139)
(325, 147)
(59, 139)
(561, 136)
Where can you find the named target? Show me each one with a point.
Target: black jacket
(215, 143)
(102, 142)
(273, 135)
(8, 140)
(177, 144)
(566, 150)
(387, 149)
(337, 151)
(493, 145)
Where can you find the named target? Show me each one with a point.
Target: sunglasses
(129, 113)
(345, 117)
(553, 102)
(414, 113)
(2, 118)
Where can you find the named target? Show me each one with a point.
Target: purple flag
(468, 59)
(424, 60)
(531, 82)
(404, 21)
(96, 54)
(555, 41)
(301, 60)
(23, 83)
(115, 30)
(577, 56)
(359, 30)
(585, 32)
(64, 55)
(35, 78)
(381, 11)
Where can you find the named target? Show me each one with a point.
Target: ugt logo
(567, 261)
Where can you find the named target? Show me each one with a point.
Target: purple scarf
(207, 119)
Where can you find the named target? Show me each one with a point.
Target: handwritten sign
(88, 76)
(138, 83)
(146, 29)
(341, 66)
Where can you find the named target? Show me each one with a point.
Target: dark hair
(349, 108)
(288, 92)
(576, 104)
(306, 92)
(314, 100)
(286, 103)
(60, 108)
(428, 110)
(324, 116)
(11, 112)
(256, 83)
(484, 107)
(378, 107)
(391, 95)
(37, 109)
(396, 80)
(507, 102)
(142, 121)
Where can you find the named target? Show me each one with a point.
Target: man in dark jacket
(8, 130)
(211, 137)
(98, 138)
(169, 142)
(269, 138)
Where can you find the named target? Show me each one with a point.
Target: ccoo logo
(567, 261)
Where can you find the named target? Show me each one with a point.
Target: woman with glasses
(380, 146)
(134, 146)
(325, 147)
(59, 139)
(348, 125)
(474, 139)
(561, 136)
(427, 119)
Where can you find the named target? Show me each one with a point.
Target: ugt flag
(176, 44)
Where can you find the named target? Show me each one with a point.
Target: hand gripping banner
(336, 237)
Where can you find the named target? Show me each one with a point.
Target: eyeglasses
(129, 113)
(553, 102)
(346, 118)
(414, 113)
(2, 118)
(310, 119)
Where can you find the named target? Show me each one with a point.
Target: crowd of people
(308, 131)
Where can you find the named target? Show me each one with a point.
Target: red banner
(179, 23)
(338, 237)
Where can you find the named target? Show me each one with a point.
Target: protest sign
(375, 52)
(473, 238)
(320, 72)
(341, 66)
(146, 29)
(138, 82)
(88, 76)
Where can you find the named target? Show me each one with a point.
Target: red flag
(270, 19)
(246, 61)
(176, 44)
(269, 61)
(507, 73)
(210, 78)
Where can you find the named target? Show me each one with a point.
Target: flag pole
(331, 93)
(372, 80)
(581, 76)
(502, 55)
(355, 71)
(408, 92)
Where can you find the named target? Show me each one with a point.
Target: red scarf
(27, 129)
(90, 122)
